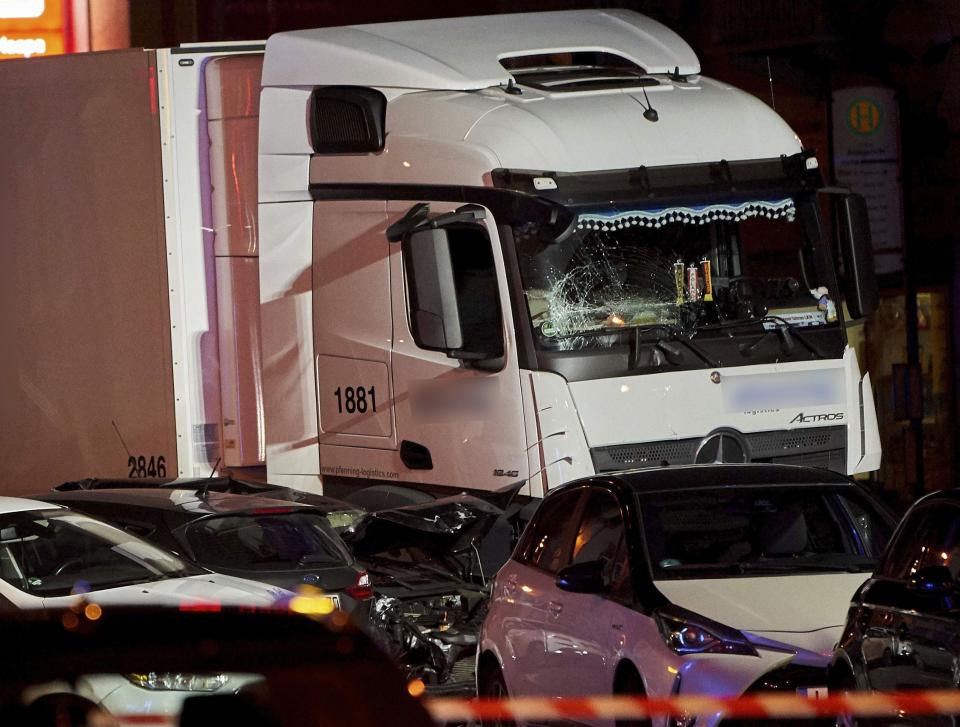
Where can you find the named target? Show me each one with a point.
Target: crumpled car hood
(444, 526)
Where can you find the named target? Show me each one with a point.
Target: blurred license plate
(813, 692)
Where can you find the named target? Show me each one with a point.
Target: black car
(903, 628)
(263, 539)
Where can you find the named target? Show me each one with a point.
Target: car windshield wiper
(802, 565)
(314, 558)
(778, 566)
(120, 582)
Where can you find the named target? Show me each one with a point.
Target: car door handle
(555, 608)
(510, 586)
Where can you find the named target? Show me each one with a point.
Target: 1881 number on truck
(356, 399)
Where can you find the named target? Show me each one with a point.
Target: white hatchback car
(718, 580)
(49, 555)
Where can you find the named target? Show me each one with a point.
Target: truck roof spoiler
(465, 53)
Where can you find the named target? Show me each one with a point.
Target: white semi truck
(444, 253)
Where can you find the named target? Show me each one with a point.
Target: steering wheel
(67, 566)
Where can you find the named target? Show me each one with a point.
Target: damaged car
(273, 541)
(429, 564)
(422, 569)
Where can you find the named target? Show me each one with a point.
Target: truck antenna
(773, 101)
(649, 113)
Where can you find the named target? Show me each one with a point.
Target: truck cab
(540, 246)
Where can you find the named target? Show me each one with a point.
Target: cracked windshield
(678, 272)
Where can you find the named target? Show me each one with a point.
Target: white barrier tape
(758, 705)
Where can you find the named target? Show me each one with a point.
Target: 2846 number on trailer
(155, 466)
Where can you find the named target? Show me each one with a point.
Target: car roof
(952, 496)
(181, 500)
(690, 477)
(22, 504)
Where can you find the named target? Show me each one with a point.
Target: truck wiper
(784, 330)
(665, 347)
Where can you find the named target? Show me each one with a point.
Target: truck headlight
(175, 682)
(689, 633)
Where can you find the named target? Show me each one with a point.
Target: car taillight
(361, 590)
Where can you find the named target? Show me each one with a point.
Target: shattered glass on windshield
(681, 269)
(605, 284)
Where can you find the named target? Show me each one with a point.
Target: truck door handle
(415, 456)
(555, 609)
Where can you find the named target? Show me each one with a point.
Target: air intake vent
(576, 71)
(347, 120)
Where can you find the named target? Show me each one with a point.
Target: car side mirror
(862, 294)
(933, 579)
(583, 578)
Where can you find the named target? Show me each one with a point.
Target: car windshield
(736, 531)
(54, 553)
(685, 270)
(270, 541)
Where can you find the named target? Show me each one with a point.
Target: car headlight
(689, 633)
(175, 682)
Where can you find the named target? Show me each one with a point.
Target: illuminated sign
(34, 28)
(21, 8)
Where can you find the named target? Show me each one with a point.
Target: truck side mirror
(862, 294)
(434, 314)
(452, 294)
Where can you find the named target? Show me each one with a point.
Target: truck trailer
(457, 253)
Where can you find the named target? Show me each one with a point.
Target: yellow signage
(31, 28)
(864, 116)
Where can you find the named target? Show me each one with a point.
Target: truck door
(456, 395)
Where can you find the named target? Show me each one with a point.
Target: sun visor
(773, 209)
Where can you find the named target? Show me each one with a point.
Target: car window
(546, 542)
(264, 542)
(50, 553)
(873, 535)
(929, 537)
(601, 536)
(733, 531)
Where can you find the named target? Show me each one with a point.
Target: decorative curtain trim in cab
(698, 215)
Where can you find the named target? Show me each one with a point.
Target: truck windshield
(721, 272)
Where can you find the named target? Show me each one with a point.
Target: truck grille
(824, 447)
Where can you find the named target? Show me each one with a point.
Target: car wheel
(842, 680)
(629, 683)
(491, 685)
